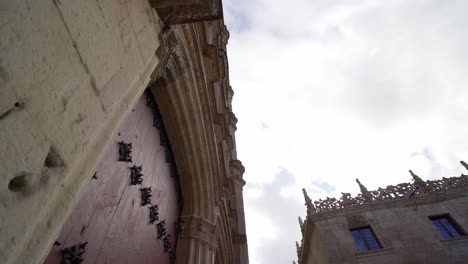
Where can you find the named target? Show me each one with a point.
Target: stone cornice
(187, 11)
(402, 202)
(418, 188)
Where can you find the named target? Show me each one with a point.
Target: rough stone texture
(402, 227)
(70, 72)
(76, 68)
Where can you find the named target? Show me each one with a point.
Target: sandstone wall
(405, 232)
(69, 73)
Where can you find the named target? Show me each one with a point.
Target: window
(446, 226)
(365, 239)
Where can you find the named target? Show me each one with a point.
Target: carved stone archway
(194, 97)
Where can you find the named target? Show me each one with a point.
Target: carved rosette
(198, 228)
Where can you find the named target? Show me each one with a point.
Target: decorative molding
(418, 188)
(169, 43)
(196, 227)
(187, 11)
(355, 221)
(201, 128)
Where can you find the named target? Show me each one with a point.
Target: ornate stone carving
(298, 251)
(187, 11)
(419, 182)
(308, 203)
(355, 221)
(301, 224)
(364, 192)
(196, 227)
(391, 192)
(169, 43)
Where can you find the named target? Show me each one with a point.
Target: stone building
(418, 222)
(117, 134)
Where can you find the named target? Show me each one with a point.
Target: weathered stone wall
(317, 249)
(404, 230)
(69, 73)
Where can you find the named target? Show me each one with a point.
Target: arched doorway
(130, 209)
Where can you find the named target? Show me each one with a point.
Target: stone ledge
(462, 239)
(376, 252)
(174, 12)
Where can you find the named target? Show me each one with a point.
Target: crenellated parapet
(416, 188)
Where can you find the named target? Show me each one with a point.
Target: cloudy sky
(327, 91)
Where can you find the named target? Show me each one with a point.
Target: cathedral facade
(117, 136)
(417, 222)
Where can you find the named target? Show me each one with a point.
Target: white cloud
(334, 90)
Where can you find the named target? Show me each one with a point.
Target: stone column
(197, 242)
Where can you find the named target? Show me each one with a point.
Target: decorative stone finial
(419, 182)
(294, 262)
(464, 164)
(364, 192)
(306, 196)
(308, 203)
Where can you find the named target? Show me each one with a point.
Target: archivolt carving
(196, 227)
(200, 123)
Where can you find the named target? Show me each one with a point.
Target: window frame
(451, 221)
(367, 244)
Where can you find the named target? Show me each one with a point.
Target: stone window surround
(453, 222)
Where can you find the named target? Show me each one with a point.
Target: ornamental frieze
(416, 188)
